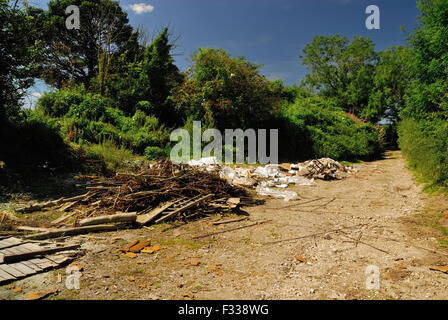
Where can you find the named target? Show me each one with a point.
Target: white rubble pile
(273, 179)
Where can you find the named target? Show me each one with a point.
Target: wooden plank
(8, 252)
(62, 219)
(23, 268)
(1, 257)
(148, 217)
(44, 263)
(71, 231)
(43, 251)
(9, 242)
(31, 247)
(31, 265)
(187, 206)
(59, 259)
(6, 276)
(21, 248)
(12, 271)
(14, 249)
(27, 228)
(121, 217)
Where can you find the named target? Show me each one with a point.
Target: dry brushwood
(145, 191)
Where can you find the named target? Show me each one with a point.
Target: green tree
(387, 97)
(226, 92)
(17, 55)
(80, 55)
(147, 83)
(428, 93)
(341, 70)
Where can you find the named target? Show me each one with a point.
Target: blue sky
(268, 32)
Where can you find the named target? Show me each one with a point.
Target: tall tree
(148, 82)
(387, 97)
(17, 54)
(341, 70)
(82, 54)
(427, 95)
(227, 92)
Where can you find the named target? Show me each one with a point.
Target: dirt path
(396, 224)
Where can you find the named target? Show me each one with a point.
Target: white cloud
(140, 8)
(36, 94)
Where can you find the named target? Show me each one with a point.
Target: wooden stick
(26, 228)
(121, 217)
(62, 219)
(24, 256)
(233, 229)
(43, 205)
(71, 231)
(316, 234)
(359, 241)
(229, 221)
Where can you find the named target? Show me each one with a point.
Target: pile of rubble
(165, 191)
(270, 177)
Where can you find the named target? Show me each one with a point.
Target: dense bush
(311, 129)
(155, 153)
(425, 142)
(34, 142)
(89, 118)
(423, 134)
(225, 92)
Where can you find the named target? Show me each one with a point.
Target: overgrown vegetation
(116, 95)
(423, 134)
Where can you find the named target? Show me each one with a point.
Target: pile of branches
(164, 181)
(142, 191)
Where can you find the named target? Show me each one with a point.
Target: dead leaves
(115, 239)
(301, 259)
(39, 295)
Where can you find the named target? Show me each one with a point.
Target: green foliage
(79, 56)
(341, 70)
(113, 156)
(425, 142)
(34, 142)
(88, 118)
(423, 134)
(315, 130)
(427, 95)
(155, 153)
(147, 84)
(16, 59)
(391, 79)
(226, 92)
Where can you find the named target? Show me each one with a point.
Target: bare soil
(378, 216)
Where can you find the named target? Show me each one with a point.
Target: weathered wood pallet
(34, 264)
(169, 209)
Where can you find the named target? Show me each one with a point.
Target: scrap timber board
(24, 268)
